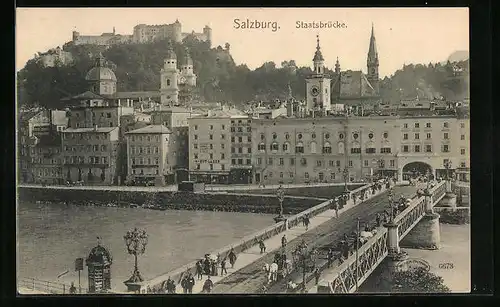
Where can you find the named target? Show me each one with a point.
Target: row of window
(148, 172)
(85, 136)
(327, 148)
(81, 160)
(321, 175)
(426, 148)
(107, 115)
(355, 135)
(41, 161)
(446, 136)
(149, 138)
(223, 166)
(144, 150)
(48, 172)
(79, 125)
(428, 125)
(321, 163)
(49, 151)
(223, 127)
(145, 161)
(87, 148)
(223, 137)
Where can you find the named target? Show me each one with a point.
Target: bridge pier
(392, 238)
(449, 200)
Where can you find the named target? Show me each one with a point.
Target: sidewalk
(272, 244)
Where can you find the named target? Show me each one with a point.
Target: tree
(417, 280)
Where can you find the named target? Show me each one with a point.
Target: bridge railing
(45, 286)
(438, 192)
(365, 190)
(369, 257)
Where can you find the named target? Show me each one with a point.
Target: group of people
(210, 265)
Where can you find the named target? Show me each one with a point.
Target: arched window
(275, 147)
(262, 147)
(299, 148)
(313, 147)
(327, 148)
(168, 82)
(341, 148)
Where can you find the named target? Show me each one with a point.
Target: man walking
(190, 283)
(232, 257)
(330, 257)
(336, 207)
(283, 241)
(223, 269)
(208, 285)
(262, 246)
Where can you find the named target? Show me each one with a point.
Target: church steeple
(337, 66)
(318, 60)
(372, 62)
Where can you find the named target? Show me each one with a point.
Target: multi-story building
(241, 149)
(210, 145)
(105, 39)
(296, 150)
(288, 150)
(34, 125)
(91, 155)
(46, 160)
(176, 120)
(150, 158)
(428, 142)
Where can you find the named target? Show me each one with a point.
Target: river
(52, 236)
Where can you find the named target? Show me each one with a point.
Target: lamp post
(447, 166)
(136, 241)
(280, 194)
(345, 173)
(303, 254)
(357, 257)
(391, 199)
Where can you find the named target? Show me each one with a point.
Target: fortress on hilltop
(143, 34)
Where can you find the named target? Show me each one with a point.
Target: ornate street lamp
(345, 174)
(280, 194)
(136, 241)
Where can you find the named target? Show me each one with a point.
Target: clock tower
(169, 90)
(318, 85)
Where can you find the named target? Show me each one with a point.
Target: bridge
(325, 229)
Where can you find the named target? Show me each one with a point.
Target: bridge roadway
(251, 278)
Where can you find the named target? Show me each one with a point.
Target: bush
(418, 280)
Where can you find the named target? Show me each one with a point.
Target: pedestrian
(307, 222)
(72, 289)
(378, 219)
(232, 257)
(199, 270)
(190, 283)
(317, 275)
(184, 284)
(223, 269)
(283, 241)
(208, 285)
(329, 256)
(336, 207)
(262, 246)
(213, 266)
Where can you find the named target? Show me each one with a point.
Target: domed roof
(99, 72)
(99, 254)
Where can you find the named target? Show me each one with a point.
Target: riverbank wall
(174, 200)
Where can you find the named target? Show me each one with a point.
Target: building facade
(150, 160)
(297, 150)
(46, 160)
(211, 142)
(91, 155)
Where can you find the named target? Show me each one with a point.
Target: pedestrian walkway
(272, 244)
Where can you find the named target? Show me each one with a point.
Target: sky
(403, 35)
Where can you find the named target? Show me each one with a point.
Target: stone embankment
(174, 200)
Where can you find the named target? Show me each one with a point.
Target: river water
(51, 237)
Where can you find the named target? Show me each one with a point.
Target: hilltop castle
(143, 34)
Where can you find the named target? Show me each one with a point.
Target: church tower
(169, 90)
(372, 63)
(318, 85)
(337, 66)
(187, 74)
